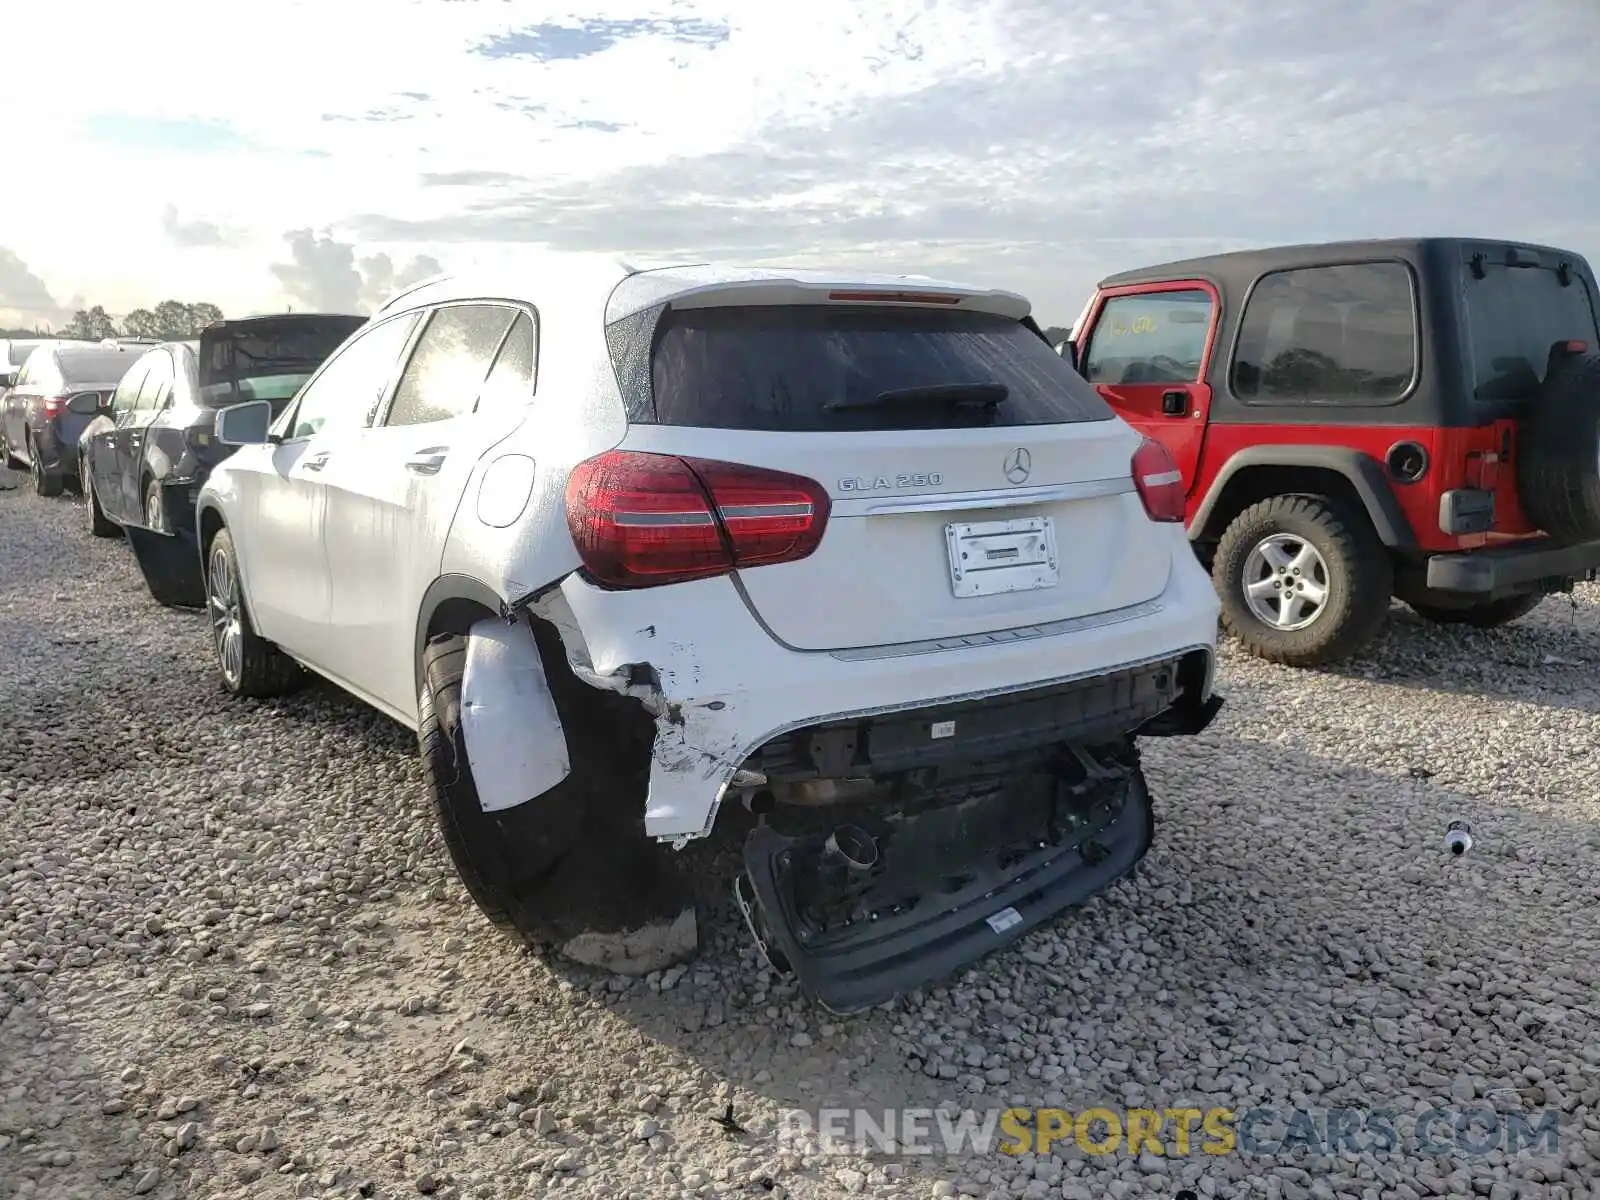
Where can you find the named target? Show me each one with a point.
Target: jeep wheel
(1303, 580)
(1558, 468)
(1444, 609)
(553, 871)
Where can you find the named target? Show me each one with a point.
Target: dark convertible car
(144, 456)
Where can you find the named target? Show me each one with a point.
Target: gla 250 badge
(861, 483)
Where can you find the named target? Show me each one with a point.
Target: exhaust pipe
(850, 848)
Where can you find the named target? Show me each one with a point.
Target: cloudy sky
(319, 154)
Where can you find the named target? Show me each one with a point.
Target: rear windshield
(1515, 315)
(810, 368)
(268, 363)
(80, 367)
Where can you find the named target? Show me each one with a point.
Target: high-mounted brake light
(642, 520)
(1158, 480)
(896, 297)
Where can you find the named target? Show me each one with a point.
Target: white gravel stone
(254, 913)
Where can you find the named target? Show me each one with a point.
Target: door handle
(317, 461)
(427, 462)
(1174, 404)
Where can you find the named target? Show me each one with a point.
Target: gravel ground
(234, 960)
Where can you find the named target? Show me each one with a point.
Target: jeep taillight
(1160, 483)
(642, 520)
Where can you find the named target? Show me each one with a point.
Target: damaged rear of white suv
(861, 556)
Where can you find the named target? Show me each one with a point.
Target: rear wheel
(555, 870)
(99, 524)
(45, 483)
(1443, 609)
(250, 665)
(155, 508)
(1303, 580)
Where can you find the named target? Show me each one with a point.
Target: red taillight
(640, 520)
(1160, 483)
(1576, 347)
(54, 406)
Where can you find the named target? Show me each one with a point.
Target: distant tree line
(1058, 334)
(167, 321)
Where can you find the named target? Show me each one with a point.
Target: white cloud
(1010, 141)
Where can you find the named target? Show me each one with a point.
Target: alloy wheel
(1285, 582)
(222, 603)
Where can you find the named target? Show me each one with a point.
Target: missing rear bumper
(997, 852)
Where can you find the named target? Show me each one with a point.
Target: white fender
(513, 733)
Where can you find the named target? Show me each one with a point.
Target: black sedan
(145, 455)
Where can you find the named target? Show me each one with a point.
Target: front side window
(450, 363)
(1328, 335)
(1158, 337)
(353, 384)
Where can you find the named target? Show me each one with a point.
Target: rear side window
(511, 381)
(1515, 316)
(815, 368)
(450, 363)
(1328, 335)
(157, 384)
(1159, 337)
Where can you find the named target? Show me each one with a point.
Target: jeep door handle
(427, 462)
(1174, 404)
(317, 461)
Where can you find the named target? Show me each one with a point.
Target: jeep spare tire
(1558, 453)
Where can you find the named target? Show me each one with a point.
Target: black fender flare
(1364, 473)
(440, 592)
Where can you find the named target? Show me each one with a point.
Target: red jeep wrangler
(1364, 420)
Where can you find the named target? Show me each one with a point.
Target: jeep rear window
(1515, 315)
(816, 368)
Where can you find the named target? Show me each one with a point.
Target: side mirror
(8, 379)
(86, 404)
(244, 424)
(1069, 351)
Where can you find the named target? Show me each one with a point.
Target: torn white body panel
(722, 686)
(514, 738)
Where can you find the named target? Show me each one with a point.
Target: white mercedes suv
(856, 562)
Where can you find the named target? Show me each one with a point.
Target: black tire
(260, 669)
(1358, 583)
(1443, 609)
(554, 867)
(99, 524)
(44, 483)
(1558, 452)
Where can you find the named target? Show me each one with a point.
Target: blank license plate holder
(991, 558)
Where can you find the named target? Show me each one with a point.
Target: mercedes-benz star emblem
(1018, 465)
